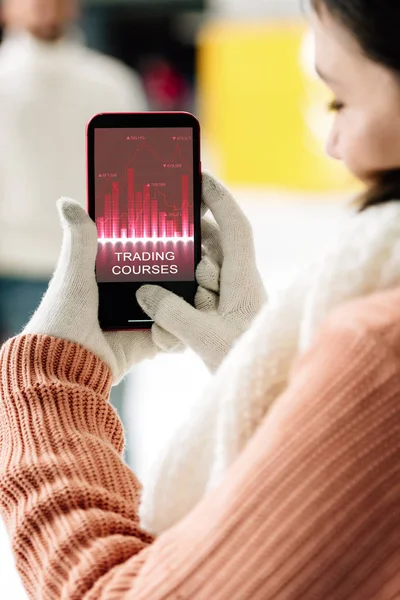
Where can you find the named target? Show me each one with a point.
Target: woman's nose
(332, 145)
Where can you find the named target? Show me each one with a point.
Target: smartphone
(144, 194)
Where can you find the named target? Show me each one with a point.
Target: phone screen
(144, 204)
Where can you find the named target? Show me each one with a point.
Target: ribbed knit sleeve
(309, 511)
(67, 499)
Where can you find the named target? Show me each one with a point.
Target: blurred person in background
(307, 506)
(50, 87)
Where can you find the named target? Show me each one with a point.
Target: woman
(310, 508)
(365, 258)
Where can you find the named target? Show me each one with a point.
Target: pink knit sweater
(310, 510)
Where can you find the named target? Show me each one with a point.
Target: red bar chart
(149, 215)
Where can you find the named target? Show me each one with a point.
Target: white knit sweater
(365, 258)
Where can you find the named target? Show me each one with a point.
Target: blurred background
(245, 69)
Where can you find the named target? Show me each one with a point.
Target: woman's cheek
(357, 149)
(353, 159)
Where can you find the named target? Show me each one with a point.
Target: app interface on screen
(144, 204)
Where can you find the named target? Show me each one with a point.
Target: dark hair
(376, 25)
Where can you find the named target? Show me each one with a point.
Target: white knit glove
(230, 291)
(69, 309)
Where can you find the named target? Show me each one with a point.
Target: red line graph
(178, 152)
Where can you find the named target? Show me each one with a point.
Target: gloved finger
(239, 263)
(206, 301)
(227, 213)
(211, 240)
(198, 330)
(72, 291)
(165, 340)
(208, 274)
(80, 243)
(204, 209)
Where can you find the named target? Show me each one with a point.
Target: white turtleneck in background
(48, 93)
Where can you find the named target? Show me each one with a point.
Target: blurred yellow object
(263, 109)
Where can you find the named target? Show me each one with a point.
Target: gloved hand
(69, 309)
(230, 291)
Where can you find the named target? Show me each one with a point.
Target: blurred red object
(166, 88)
